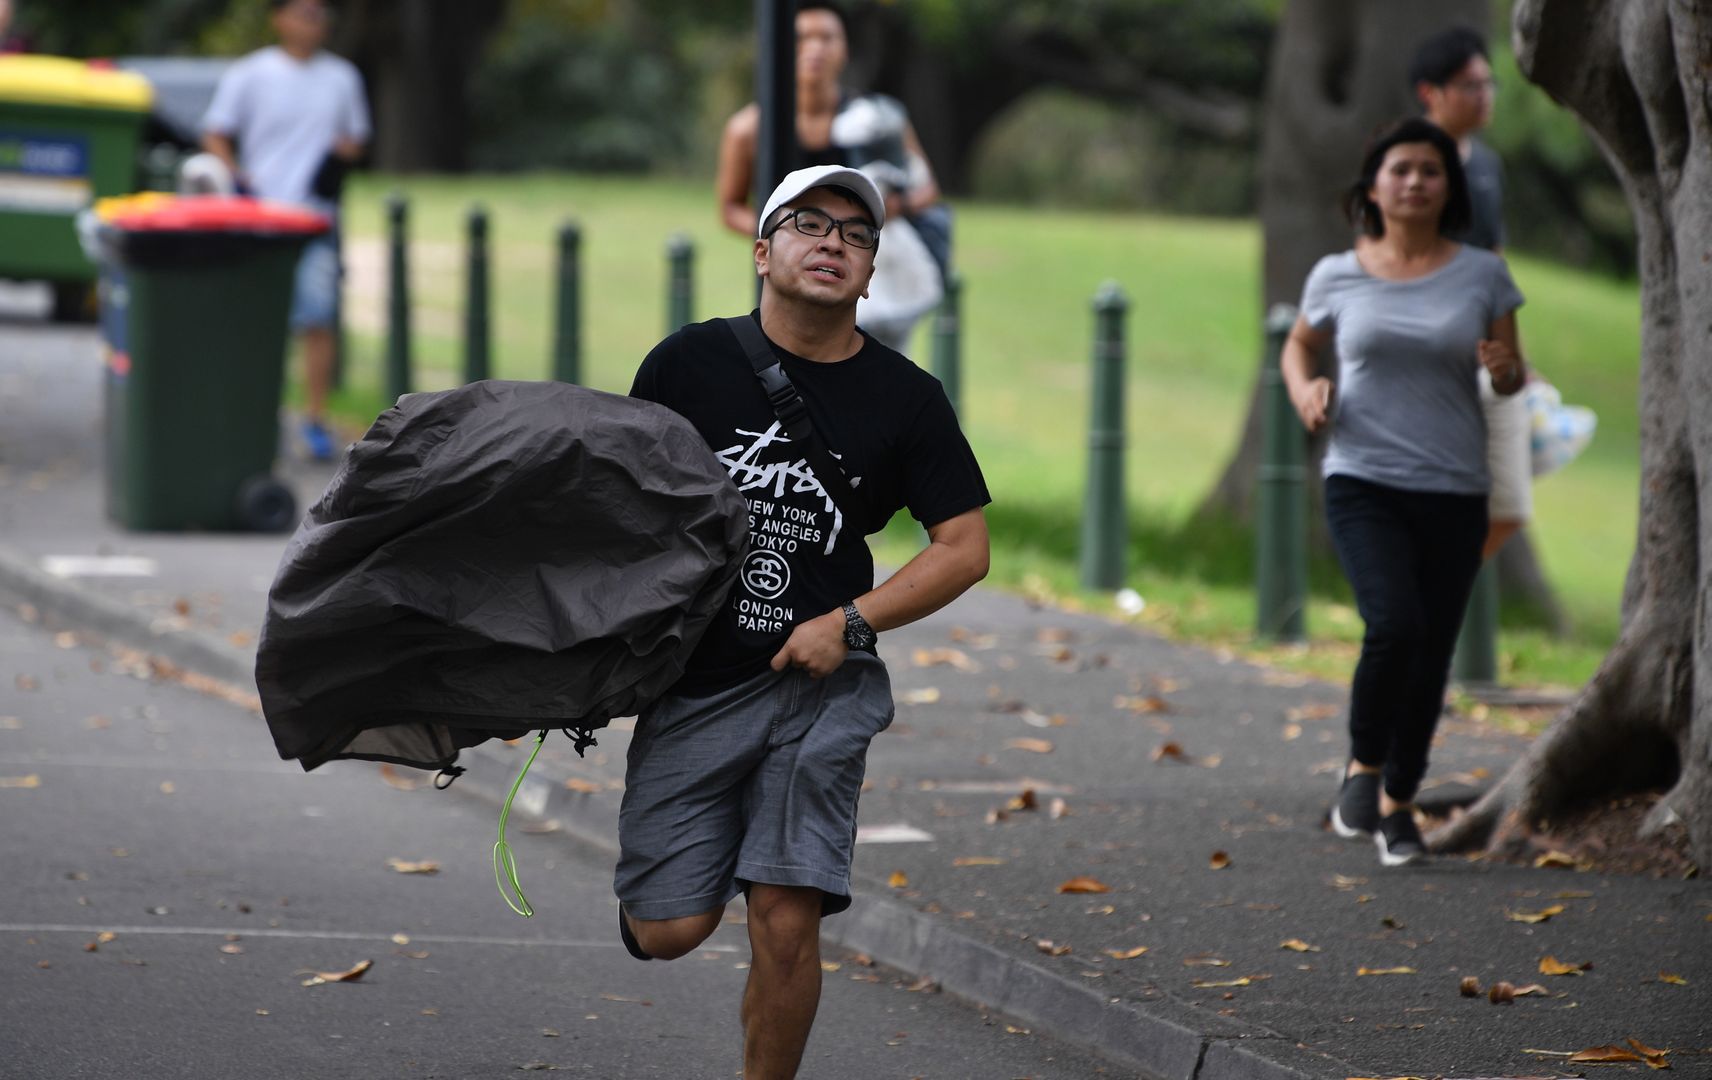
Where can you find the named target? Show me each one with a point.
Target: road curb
(1164, 1039)
(62, 602)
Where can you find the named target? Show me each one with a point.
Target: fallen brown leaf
(584, 787)
(1298, 945)
(1033, 746)
(21, 782)
(1218, 860)
(1057, 809)
(1052, 948)
(898, 880)
(1643, 1049)
(1205, 960)
(1604, 1055)
(1150, 703)
(1551, 965)
(1208, 985)
(977, 860)
(318, 977)
(427, 866)
(1024, 801)
(1172, 751)
(1084, 885)
(626, 1000)
(1386, 971)
(1533, 917)
(1561, 860)
(232, 950)
(1532, 990)
(1127, 954)
(955, 658)
(1672, 979)
(927, 695)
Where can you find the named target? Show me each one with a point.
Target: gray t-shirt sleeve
(1319, 293)
(1505, 296)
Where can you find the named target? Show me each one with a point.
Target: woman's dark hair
(1361, 210)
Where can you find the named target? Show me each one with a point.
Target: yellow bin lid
(55, 80)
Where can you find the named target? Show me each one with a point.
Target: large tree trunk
(418, 56)
(1640, 76)
(1337, 74)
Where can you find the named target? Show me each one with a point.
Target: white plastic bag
(1559, 432)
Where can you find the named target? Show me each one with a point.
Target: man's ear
(1424, 93)
(763, 248)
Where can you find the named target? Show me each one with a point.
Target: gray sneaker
(1399, 840)
(1355, 815)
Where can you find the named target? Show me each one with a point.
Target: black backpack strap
(793, 417)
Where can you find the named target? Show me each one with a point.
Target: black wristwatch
(857, 633)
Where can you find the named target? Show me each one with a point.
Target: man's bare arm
(737, 171)
(956, 557)
(221, 147)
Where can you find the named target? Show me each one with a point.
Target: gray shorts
(756, 783)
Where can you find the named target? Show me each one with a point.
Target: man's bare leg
(668, 939)
(783, 992)
(317, 370)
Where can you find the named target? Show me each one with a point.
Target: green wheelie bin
(68, 136)
(193, 396)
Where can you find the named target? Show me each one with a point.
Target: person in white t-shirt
(288, 120)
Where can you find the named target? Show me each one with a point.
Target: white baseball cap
(816, 176)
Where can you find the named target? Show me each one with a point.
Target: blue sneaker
(317, 441)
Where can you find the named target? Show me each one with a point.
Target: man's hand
(816, 646)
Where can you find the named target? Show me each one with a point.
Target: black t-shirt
(893, 431)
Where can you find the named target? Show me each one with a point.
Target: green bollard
(1474, 665)
(397, 297)
(948, 340)
(476, 344)
(1105, 526)
(1281, 525)
(680, 256)
(567, 323)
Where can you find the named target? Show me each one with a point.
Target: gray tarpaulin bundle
(492, 560)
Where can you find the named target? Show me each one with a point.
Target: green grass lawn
(1032, 274)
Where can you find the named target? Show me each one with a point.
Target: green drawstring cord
(502, 851)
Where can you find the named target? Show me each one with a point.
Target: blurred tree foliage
(1151, 103)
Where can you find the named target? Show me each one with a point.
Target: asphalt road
(171, 886)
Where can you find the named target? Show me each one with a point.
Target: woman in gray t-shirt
(1414, 317)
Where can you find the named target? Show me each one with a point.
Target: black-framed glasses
(857, 232)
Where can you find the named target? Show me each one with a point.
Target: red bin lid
(220, 213)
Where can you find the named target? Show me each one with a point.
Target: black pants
(1411, 557)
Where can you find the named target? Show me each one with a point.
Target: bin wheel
(73, 302)
(266, 505)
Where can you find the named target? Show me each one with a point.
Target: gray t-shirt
(286, 114)
(1406, 413)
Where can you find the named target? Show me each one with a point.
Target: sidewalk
(998, 699)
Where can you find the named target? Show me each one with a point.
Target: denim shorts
(315, 296)
(755, 783)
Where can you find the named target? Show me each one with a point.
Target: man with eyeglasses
(745, 777)
(288, 120)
